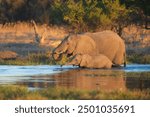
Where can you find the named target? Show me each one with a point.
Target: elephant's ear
(85, 45)
(72, 43)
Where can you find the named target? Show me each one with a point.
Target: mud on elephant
(107, 43)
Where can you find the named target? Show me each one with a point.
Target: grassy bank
(17, 92)
(140, 59)
(44, 59)
(34, 59)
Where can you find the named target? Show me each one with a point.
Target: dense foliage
(82, 15)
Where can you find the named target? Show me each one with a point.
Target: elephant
(87, 61)
(106, 42)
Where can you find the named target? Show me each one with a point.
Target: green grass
(46, 59)
(140, 59)
(35, 59)
(17, 92)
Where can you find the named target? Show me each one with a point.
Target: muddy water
(37, 77)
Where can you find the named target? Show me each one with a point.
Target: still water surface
(43, 76)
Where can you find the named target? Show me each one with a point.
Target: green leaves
(84, 15)
(74, 14)
(80, 15)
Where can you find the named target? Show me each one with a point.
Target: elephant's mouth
(69, 55)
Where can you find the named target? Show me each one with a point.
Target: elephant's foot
(125, 64)
(116, 65)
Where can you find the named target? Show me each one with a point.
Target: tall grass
(17, 92)
(23, 32)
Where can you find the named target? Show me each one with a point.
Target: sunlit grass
(35, 59)
(17, 92)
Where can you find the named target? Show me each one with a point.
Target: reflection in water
(86, 79)
(36, 77)
(91, 79)
(138, 81)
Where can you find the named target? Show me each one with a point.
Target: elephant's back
(104, 36)
(107, 42)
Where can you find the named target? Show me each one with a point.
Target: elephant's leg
(125, 59)
(119, 56)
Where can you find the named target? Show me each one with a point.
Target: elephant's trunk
(56, 56)
(68, 63)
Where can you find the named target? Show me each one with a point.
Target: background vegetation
(81, 15)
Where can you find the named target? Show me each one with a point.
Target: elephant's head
(81, 60)
(67, 46)
(76, 60)
(75, 44)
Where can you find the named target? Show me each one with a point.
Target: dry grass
(22, 32)
(20, 38)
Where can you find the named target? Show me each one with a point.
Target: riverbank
(22, 93)
(46, 59)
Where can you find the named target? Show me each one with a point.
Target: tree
(141, 8)
(56, 12)
(9, 9)
(93, 13)
(82, 15)
(117, 15)
(74, 14)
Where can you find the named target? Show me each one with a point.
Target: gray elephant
(96, 61)
(106, 42)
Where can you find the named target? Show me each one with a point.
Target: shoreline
(132, 59)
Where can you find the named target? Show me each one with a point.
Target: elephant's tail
(125, 62)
